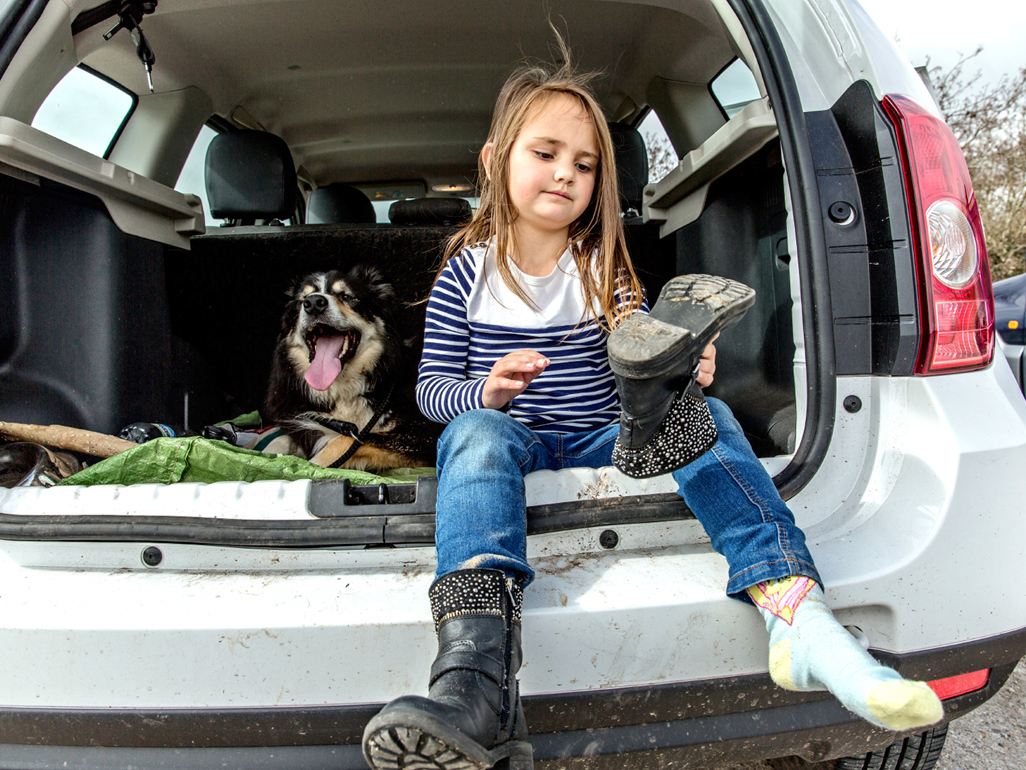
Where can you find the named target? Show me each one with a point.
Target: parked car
(239, 624)
(1010, 317)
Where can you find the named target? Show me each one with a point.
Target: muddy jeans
(481, 519)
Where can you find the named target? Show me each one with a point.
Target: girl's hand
(510, 375)
(707, 366)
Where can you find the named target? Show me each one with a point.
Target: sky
(941, 29)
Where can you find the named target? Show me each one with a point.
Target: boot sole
(690, 311)
(409, 739)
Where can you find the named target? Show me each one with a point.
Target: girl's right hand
(510, 375)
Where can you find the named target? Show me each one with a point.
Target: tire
(917, 752)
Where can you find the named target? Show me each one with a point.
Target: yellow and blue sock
(810, 650)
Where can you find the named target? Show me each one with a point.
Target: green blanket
(169, 460)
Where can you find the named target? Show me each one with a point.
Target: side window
(734, 87)
(662, 158)
(85, 110)
(191, 180)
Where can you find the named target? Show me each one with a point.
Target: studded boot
(472, 717)
(665, 422)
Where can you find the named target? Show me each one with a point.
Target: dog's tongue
(326, 366)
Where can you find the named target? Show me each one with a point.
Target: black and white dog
(341, 388)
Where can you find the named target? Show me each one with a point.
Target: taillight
(956, 304)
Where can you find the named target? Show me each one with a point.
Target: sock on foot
(810, 650)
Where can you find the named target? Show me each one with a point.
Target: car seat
(250, 176)
(631, 168)
(339, 204)
(430, 211)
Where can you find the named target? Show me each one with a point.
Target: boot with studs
(472, 718)
(665, 422)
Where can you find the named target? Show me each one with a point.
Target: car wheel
(917, 752)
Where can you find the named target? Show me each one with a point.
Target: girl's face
(553, 165)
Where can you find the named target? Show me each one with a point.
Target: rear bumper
(692, 724)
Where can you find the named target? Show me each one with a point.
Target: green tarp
(170, 460)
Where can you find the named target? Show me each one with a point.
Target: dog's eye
(345, 297)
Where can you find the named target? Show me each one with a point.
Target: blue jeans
(481, 519)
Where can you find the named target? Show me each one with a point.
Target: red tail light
(956, 302)
(953, 686)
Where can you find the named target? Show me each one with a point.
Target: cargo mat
(196, 459)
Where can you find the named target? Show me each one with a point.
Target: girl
(515, 362)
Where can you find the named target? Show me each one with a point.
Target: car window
(191, 179)
(662, 158)
(734, 87)
(381, 210)
(85, 110)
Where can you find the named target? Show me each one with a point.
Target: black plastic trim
(859, 146)
(93, 16)
(319, 533)
(8, 16)
(817, 316)
(221, 125)
(694, 723)
(345, 515)
(15, 26)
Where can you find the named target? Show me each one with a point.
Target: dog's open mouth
(330, 350)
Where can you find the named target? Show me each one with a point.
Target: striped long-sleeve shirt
(474, 319)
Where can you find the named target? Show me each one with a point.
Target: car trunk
(114, 327)
(110, 328)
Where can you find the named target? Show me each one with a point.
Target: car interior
(130, 307)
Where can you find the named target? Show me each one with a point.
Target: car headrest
(250, 175)
(631, 165)
(339, 204)
(430, 211)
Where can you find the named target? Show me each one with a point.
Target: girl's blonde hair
(598, 231)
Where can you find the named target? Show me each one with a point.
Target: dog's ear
(290, 317)
(372, 279)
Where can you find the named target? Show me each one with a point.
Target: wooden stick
(62, 437)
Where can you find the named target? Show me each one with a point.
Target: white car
(249, 624)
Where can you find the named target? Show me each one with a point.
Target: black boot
(664, 420)
(472, 717)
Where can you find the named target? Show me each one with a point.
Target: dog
(342, 377)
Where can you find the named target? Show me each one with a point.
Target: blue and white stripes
(474, 319)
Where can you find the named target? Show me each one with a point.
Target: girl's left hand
(707, 366)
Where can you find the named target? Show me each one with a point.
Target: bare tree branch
(989, 121)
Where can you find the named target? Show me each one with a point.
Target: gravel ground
(993, 737)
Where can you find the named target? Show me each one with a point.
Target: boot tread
(690, 310)
(408, 748)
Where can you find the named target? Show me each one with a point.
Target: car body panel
(592, 614)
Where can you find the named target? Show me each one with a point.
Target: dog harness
(350, 429)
